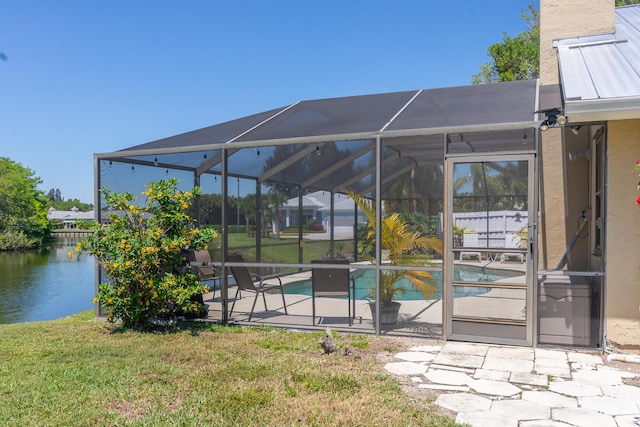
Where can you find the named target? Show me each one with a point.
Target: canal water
(45, 284)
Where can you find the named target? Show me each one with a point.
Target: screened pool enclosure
(458, 164)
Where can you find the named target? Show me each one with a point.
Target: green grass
(77, 371)
(284, 250)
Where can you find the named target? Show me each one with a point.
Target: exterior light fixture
(575, 129)
(317, 150)
(554, 118)
(155, 162)
(575, 155)
(258, 153)
(133, 169)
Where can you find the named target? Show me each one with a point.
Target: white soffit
(600, 74)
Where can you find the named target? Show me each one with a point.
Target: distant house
(318, 206)
(69, 219)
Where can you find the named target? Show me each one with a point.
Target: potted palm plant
(401, 246)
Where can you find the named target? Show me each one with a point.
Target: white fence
(495, 229)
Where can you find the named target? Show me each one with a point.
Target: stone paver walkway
(488, 385)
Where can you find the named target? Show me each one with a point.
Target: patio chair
(332, 282)
(203, 267)
(252, 282)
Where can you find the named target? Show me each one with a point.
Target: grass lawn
(284, 250)
(77, 371)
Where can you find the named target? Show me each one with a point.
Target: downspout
(629, 358)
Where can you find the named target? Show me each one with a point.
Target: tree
(23, 208)
(210, 209)
(67, 205)
(275, 200)
(248, 206)
(626, 2)
(515, 58)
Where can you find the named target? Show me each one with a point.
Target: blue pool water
(365, 280)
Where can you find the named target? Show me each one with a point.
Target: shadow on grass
(166, 326)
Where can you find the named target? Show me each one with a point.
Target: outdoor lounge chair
(203, 267)
(470, 240)
(252, 283)
(512, 240)
(332, 282)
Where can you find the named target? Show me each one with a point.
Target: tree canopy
(515, 58)
(56, 201)
(518, 58)
(23, 208)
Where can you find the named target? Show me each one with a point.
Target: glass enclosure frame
(390, 149)
(385, 164)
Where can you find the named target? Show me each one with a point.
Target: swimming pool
(365, 281)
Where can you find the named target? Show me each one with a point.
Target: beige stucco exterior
(563, 193)
(623, 235)
(560, 19)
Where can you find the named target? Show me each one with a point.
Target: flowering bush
(142, 252)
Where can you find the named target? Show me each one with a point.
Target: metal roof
(600, 74)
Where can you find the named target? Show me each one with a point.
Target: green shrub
(16, 240)
(142, 251)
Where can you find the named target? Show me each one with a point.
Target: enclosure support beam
(378, 206)
(97, 217)
(332, 226)
(224, 289)
(196, 200)
(300, 219)
(258, 221)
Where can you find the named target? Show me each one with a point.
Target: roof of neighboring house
(71, 215)
(342, 203)
(321, 200)
(600, 74)
(308, 202)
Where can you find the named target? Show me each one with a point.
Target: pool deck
(416, 318)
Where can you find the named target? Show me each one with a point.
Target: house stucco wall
(559, 19)
(623, 235)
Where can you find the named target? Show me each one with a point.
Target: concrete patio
(422, 318)
(489, 385)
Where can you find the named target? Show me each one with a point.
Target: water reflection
(44, 284)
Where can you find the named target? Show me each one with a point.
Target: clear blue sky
(84, 77)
